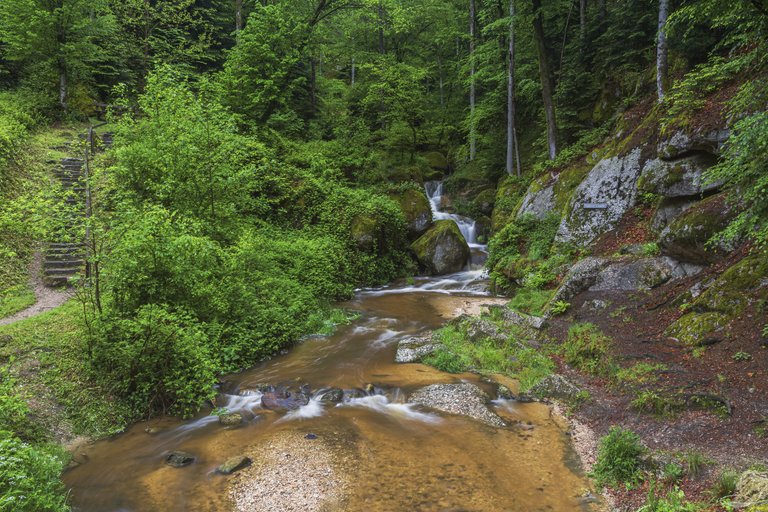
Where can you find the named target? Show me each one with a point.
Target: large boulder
(363, 230)
(680, 178)
(601, 199)
(669, 209)
(538, 201)
(464, 399)
(442, 249)
(680, 143)
(580, 278)
(687, 236)
(640, 274)
(416, 210)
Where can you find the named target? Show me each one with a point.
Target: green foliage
(694, 462)
(725, 484)
(651, 249)
(15, 299)
(618, 458)
(588, 349)
(672, 472)
(530, 301)
(657, 403)
(742, 356)
(559, 307)
(674, 501)
(640, 373)
(29, 476)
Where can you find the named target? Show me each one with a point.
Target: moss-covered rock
(363, 231)
(442, 249)
(437, 165)
(484, 201)
(686, 237)
(698, 328)
(508, 194)
(416, 210)
(681, 178)
(735, 288)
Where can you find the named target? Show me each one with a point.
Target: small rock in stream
(179, 459)
(333, 395)
(465, 399)
(231, 419)
(234, 464)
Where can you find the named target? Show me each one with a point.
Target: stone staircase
(65, 255)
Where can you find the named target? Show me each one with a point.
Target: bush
(618, 458)
(30, 477)
(587, 349)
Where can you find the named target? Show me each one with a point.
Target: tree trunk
(382, 49)
(238, 17)
(63, 96)
(441, 82)
(661, 49)
(313, 83)
(352, 77)
(511, 146)
(545, 74)
(583, 19)
(472, 91)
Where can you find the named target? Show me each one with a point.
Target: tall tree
(62, 36)
(661, 49)
(513, 152)
(545, 74)
(472, 84)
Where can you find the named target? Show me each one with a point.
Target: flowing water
(404, 457)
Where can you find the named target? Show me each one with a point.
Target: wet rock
(580, 278)
(234, 464)
(463, 399)
(751, 489)
(414, 349)
(231, 419)
(505, 393)
(611, 184)
(333, 395)
(349, 394)
(442, 249)
(152, 430)
(179, 459)
(516, 318)
(286, 401)
(555, 386)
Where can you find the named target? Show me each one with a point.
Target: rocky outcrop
(601, 199)
(416, 210)
(681, 143)
(641, 274)
(464, 399)
(413, 349)
(363, 232)
(686, 238)
(680, 178)
(538, 201)
(442, 249)
(580, 278)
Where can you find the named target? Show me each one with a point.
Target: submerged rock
(442, 249)
(179, 459)
(231, 419)
(464, 399)
(414, 349)
(286, 401)
(234, 464)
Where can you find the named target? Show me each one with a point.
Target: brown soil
(636, 322)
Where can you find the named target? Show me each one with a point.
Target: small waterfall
(467, 226)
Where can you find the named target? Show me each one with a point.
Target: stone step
(60, 272)
(54, 281)
(53, 259)
(63, 264)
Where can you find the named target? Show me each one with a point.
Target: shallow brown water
(407, 458)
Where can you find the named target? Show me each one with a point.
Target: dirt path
(45, 298)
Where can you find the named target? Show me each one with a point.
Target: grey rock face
(680, 143)
(463, 399)
(580, 278)
(642, 274)
(612, 183)
(538, 203)
(414, 349)
(554, 386)
(669, 210)
(680, 178)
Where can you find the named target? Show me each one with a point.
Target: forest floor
(728, 429)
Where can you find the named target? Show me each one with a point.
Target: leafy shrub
(725, 485)
(674, 501)
(618, 458)
(30, 477)
(653, 402)
(587, 349)
(559, 307)
(530, 301)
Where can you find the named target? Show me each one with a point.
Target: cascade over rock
(442, 249)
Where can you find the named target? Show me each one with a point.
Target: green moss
(732, 292)
(694, 328)
(416, 209)
(508, 195)
(15, 299)
(436, 160)
(363, 232)
(567, 183)
(454, 253)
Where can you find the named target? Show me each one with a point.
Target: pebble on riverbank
(292, 473)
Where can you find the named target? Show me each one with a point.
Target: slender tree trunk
(472, 91)
(661, 49)
(382, 48)
(352, 77)
(63, 86)
(583, 19)
(313, 83)
(441, 82)
(511, 146)
(238, 17)
(545, 74)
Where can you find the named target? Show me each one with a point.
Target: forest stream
(394, 455)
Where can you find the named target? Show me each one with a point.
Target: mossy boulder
(363, 231)
(687, 236)
(736, 288)
(416, 210)
(484, 201)
(681, 178)
(437, 165)
(442, 249)
(508, 194)
(680, 143)
(405, 173)
(697, 329)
